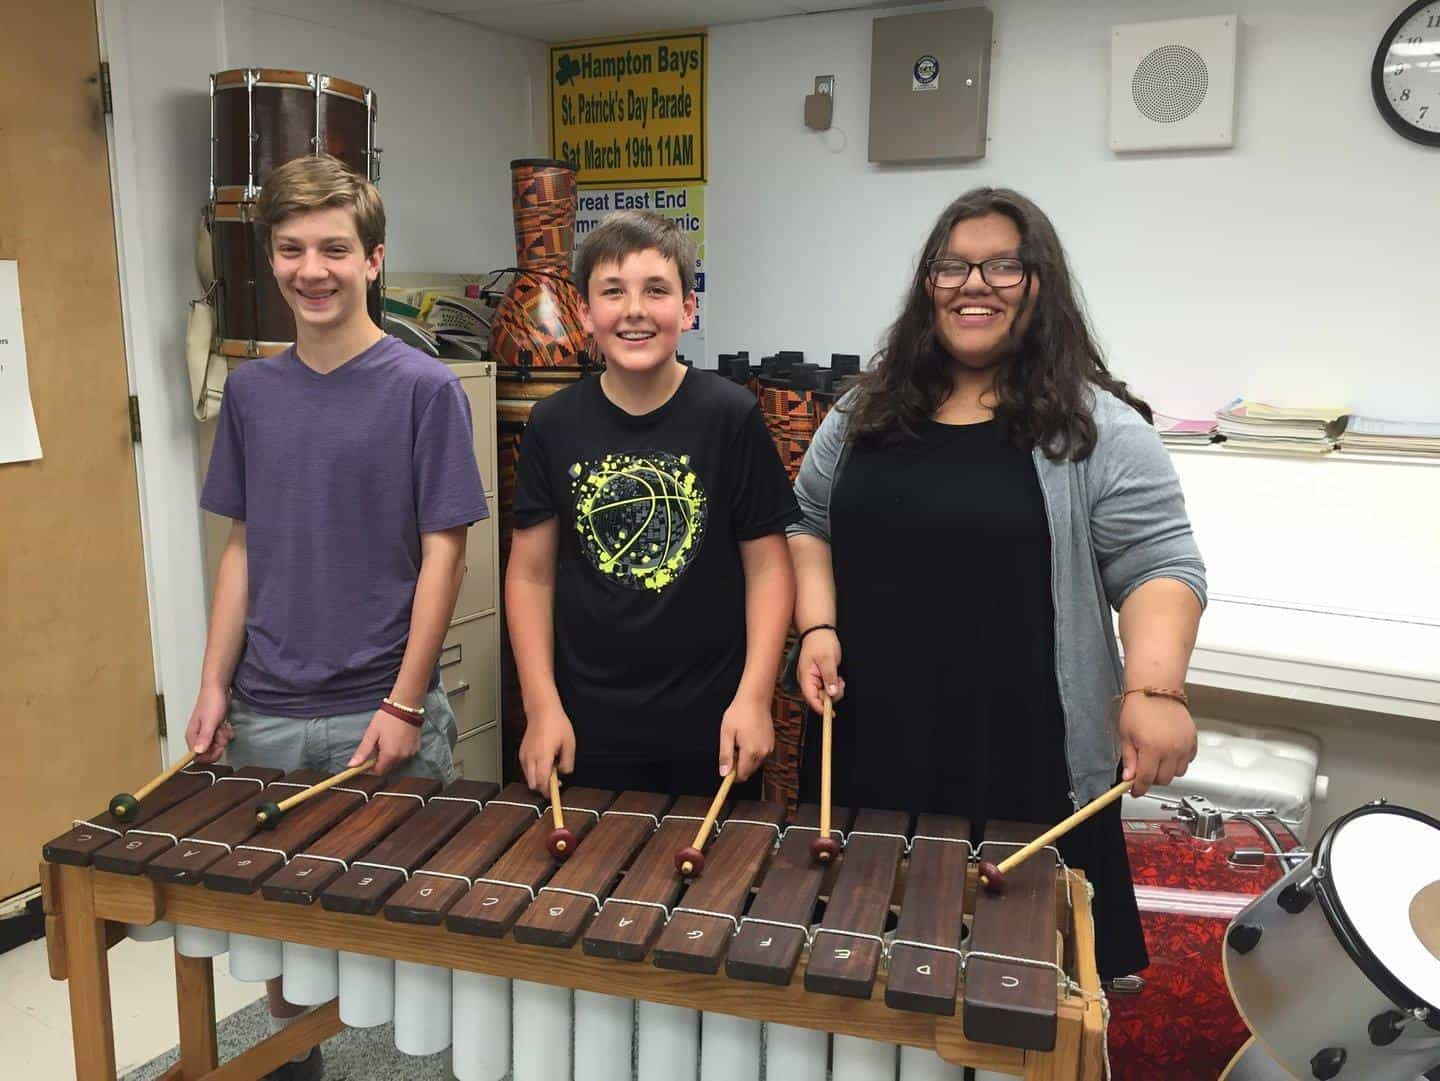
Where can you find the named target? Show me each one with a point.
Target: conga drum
(261, 118)
(1336, 968)
(539, 342)
(254, 319)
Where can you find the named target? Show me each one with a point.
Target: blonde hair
(629, 232)
(317, 183)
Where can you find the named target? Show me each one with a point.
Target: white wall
(1297, 265)
(455, 107)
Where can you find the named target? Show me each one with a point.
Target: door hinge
(107, 99)
(134, 419)
(160, 716)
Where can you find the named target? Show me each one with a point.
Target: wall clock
(1405, 77)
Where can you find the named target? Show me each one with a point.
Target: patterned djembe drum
(537, 325)
(539, 343)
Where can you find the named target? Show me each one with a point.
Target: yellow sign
(630, 112)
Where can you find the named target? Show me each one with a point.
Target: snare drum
(261, 118)
(1336, 968)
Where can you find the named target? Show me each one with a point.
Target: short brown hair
(317, 183)
(627, 232)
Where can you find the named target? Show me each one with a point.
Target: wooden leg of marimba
(1061, 1064)
(88, 971)
(195, 999)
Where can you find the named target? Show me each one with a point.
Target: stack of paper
(1178, 432)
(1371, 435)
(1248, 425)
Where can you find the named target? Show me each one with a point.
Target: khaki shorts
(327, 743)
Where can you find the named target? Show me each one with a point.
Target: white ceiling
(561, 20)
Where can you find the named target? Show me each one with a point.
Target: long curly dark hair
(1043, 385)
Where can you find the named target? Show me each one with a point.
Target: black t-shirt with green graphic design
(649, 587)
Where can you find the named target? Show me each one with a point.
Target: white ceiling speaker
(1172, 84)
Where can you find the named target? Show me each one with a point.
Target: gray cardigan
(1117, 520)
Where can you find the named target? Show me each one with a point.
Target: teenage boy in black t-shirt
(649, 586)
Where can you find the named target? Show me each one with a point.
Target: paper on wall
(19, 439)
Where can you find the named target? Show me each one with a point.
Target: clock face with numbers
(1406, 75)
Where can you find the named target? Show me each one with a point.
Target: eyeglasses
(953, 273)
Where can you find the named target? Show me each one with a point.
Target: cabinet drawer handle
(459, 688)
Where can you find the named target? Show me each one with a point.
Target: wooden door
(77, 677)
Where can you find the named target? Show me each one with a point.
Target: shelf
(1324, 577)
(1356, 662)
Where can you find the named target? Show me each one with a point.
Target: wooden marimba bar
(446, 897)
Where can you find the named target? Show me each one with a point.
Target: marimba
(444, 911)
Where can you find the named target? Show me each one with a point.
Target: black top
(649, 587)
(941, 550)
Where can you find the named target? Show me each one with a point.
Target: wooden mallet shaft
(827, 729)
(824, 848)
(690, 860)
(561, 841)
(993, 877)
(269, 815)
(557, 813)
(126, 804)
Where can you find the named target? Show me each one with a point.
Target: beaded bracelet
(1154, 692)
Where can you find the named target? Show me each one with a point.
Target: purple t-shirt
(335, 477)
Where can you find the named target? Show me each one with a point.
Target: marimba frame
(85, 910)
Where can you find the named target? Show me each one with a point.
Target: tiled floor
(35, 1010)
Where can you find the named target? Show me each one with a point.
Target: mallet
(993, 877)
(825, 848)
(691, 861)
(124, 806)
(269, 814)
(562, 841)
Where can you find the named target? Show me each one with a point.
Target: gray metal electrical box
(930, 85)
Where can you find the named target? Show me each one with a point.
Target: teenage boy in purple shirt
(347, 465)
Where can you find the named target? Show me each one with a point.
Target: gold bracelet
(1154, 692)
(414, 711)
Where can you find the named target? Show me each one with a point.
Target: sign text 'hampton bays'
(630, 112)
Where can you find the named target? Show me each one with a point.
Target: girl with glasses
(973, 509)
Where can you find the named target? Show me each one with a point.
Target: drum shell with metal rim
(1177, 1019)
(1312, 987)
(261, 118)
(254, 319)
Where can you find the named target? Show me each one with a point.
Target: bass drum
(1336, 968)
(1192, 874)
